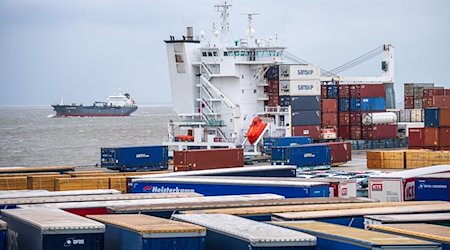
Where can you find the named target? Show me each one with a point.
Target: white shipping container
(347, 189)
(300, 88)
(417, 115)
(392, 190)
(299, 72)
(405, 115)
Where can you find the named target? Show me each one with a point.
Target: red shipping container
(355, 118)
(344, 91)
(377, 132)
(329, 119)
(446, 91)
(340, 152)
(444, 117)
(273, 100)
(431, 137)
(409, 102)
(441, 101)
(416, 138)
(344, 132)
(311, 131)
(273, 84)
(368, 90)
(329, 105)
(344, 118)
(323, 91)
(444, 136)
(430, 92)
(355, 132)
(427, 102)
(208, 159)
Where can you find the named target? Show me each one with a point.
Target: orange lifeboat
(185, 137)
(255, 129)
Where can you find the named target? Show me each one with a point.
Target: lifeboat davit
(255, 129)
(185, 137)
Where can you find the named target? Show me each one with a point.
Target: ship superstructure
(219, 86)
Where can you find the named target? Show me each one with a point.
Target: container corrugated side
(312, 131)
(330, 236)
(134, 158)
(303, 118)
(232, 232)
(432, 117)
(309, 155)
(208, 159)
(304, 103)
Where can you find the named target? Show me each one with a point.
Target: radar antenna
(250, 30)
(225, 25)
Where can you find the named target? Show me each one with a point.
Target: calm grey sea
(30, 136)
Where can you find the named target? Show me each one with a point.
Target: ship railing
(277, 109)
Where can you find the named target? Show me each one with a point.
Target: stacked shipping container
(330, 115)
(358, 100)
(436, 134)
(300, 88)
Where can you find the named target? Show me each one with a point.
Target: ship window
(204, 54)
(209, 53)
(278, 53)
(179, 58)
(225, 53)
(242, 53)
(254, 91)
(236, 53)
(215, 53)
(259, 54)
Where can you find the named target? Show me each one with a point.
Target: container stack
(436, 134)
(413, 93)
(272, 76)
(359, 105)
(301, 84)
(330, 115)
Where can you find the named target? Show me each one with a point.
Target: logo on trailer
(143, 155)
(410, 190)
(72, 241)
(162, 189)
(377, 187)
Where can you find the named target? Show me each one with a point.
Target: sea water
(32, 136)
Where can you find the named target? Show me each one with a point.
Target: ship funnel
(189, 33)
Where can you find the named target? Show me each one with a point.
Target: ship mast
(225, 25)
(250, 30)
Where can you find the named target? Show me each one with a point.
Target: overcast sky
(84, 50)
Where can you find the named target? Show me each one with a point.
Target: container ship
(234, 92)
(117, 105)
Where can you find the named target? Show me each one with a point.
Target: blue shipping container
(432, 189)
(286, 141)
(309, 155)
(135, 158)
(432, 117)
(332, 91)
(285, 100)
(301, 118)
(344, 104)
(144, 232)
(368, 104)
(304, 103)
(220, 186)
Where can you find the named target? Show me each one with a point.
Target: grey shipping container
(301, 118)
(432, 218)
(144, 232)
(225, 232)
(337, 237)
(303, 103)
(51, 229)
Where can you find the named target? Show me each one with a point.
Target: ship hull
(70, 110)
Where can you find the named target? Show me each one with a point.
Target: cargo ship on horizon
(117, 105)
